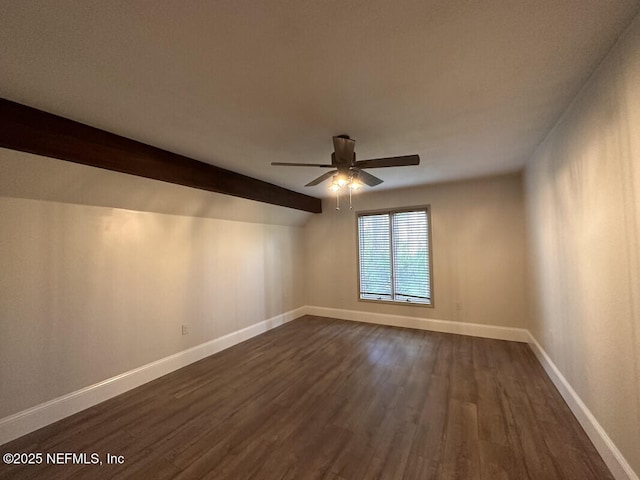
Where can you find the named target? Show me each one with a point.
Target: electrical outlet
(185, 329)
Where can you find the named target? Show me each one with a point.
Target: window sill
(396, 303)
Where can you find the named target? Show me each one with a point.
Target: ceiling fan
(347, 170)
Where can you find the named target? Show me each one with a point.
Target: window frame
(390, 212)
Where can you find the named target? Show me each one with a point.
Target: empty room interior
(329, 240)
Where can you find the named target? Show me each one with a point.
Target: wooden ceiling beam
(30, 130)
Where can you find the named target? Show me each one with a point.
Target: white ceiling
(470, 86)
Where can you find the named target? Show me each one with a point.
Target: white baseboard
(29, 420)
(445, 326)
(616, 462)
(618, 465)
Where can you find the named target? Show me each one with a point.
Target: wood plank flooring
(323, 398)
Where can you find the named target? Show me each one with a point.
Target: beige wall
(89, 292)
(478, 251)
(23, 175)
(583, 217)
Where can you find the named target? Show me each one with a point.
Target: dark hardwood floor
(324, 398)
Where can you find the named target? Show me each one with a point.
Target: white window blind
(375, 256)
(394, 256)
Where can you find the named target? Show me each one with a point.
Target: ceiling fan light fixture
(340, 179)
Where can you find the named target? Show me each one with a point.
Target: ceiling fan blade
(368, 179)
(321, 178)
(289, 164)
(389, 162)
(343, 146)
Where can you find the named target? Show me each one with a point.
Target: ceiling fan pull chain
(350, 204)
(338, 199)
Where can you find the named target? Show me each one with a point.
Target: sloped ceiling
(470, 86)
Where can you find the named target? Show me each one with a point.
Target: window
(394, 256)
